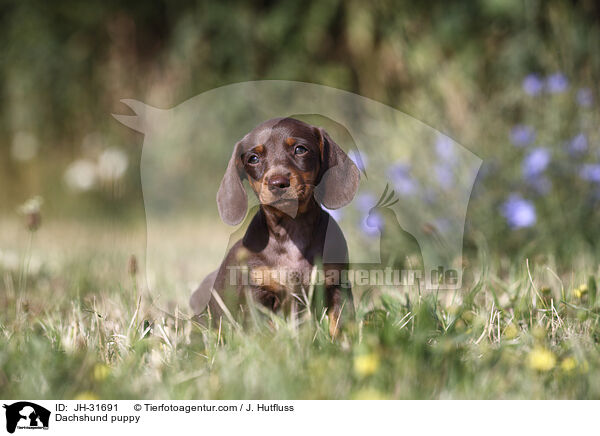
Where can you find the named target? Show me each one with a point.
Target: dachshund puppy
(293, 168)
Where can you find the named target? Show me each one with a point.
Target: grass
(81, 326)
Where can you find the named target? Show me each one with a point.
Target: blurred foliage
(458, 66)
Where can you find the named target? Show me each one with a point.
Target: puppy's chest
(289, 256)
(284, 267)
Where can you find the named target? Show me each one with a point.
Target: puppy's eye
(253, 160)
(300, 150)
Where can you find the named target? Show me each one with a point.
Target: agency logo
(26, 415)
(422, 177)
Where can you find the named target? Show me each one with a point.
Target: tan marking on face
(256, 185)
(321, 147)
(264, 194)
(302, 184)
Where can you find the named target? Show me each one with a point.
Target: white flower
(33, 205)
(112, 164)
(81, 175)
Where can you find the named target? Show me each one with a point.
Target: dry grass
(82, 326)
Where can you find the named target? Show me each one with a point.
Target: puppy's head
(286, 162)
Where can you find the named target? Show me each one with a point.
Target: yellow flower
(541, 359)
(511, 331)
(580, 291)
(84, 396)
(100, 372)
(369, 394)
(568, 364)
(366, 364)
(460, 325)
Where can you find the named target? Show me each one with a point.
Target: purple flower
(533, 84)
(522, 135)
(536, 162)
(578, 144)
(444, 175)
(585, 98)
(372, 224)
(557, 83)
(403, 183)
(519, 212)
(359, 159)
(590, 172)
(444, 147)
(365, 201)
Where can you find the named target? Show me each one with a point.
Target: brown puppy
(293, 168)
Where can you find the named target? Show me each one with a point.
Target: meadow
(78, 323)
(513, 82)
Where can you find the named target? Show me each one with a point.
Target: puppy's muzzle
(278, 184)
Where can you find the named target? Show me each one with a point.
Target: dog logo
(26, 415)
(424, 178)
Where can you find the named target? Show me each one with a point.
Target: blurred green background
(482, 72)
(514, 81)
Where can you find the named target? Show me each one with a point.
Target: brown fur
(290, 233)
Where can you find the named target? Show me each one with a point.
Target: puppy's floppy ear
(340, 177)
(232, 200)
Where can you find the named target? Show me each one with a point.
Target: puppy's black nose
(278, 183)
